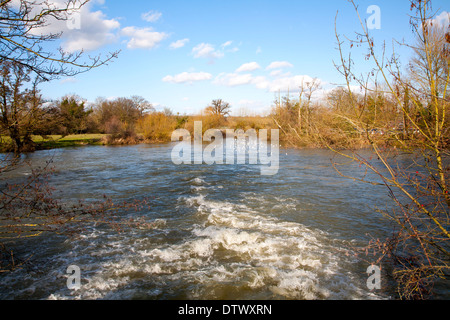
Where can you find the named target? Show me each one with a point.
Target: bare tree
(29, 209)
(309, 89)
(219, 108)
(430, 63)
(24, 58)
(142, 105)
(419, 248)
(22, 41)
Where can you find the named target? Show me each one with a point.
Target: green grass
(57, 141)
(75, 137)
(68, 141)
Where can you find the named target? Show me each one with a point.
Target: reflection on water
(223, 232)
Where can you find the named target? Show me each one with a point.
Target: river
(222, 231)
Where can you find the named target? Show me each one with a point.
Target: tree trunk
(16, 140)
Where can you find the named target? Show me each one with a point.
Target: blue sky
(183, 54)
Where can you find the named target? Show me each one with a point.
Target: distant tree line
(24, 114)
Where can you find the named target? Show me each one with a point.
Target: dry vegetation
(410, 106)
(398, 110)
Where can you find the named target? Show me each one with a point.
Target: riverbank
(338, 141)
(57, 141)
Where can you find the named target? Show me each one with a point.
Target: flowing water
(222, 231)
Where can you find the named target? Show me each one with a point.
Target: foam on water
(231, 252)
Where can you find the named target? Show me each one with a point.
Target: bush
(157, 126)
(120, 133)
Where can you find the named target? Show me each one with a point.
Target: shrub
(157, 126)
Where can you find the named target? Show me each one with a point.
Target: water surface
(223, 231)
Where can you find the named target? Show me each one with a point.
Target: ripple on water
(219, 236)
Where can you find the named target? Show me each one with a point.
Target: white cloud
(89, 30)
(233, 79)
(239, 79)
(283, 83)
(261, 82)
(279, 65)
(188, 77)
(151, 16)
(15, 4)
(179, 44)
(280, 73)
(206, 50)
(443, 20)
(250, 108)
(226, 44)
(292, 83)
(68, 80)
(84, 29)
(276, 73)
(247, 67)
(143, 38)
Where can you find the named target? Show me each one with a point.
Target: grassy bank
(58, 141)
(70, 141)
